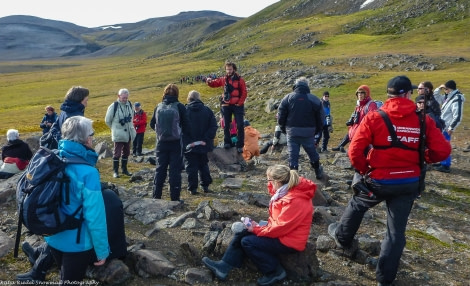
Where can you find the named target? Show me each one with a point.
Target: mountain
(27, 37)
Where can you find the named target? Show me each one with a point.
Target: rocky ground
(438, 234)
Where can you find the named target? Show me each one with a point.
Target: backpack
(378, 102)
(49, 139)
(39, 195)
(115, 107)
(168, 122)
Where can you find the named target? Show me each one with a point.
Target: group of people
(391, 171)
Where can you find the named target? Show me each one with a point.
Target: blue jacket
(85, 189)
(203, 126)
(47, 119)
(300, 113)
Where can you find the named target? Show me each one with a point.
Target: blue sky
(95, 13)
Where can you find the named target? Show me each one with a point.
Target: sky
(95, 13)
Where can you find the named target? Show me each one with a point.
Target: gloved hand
(330, 129)
(350, 122)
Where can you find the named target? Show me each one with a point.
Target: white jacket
(121, 132)
(451, 109)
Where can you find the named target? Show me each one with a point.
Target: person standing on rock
(199, 142)
(301, 116)
(451, 113)
(232, 102)
(287, 229)
(391, 172)
(119, 118)
(170, 122)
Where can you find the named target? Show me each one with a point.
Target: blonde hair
(283, 174)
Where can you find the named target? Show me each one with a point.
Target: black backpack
(167, 121)
(39, 195)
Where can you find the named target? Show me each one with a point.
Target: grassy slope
(26, 93)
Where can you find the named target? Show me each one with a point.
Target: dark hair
(326, 93)
(428, 85)
(233, 65)
(77, 94)
(451, 84)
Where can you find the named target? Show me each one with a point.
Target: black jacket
(300, 113)
(17, 149)
(203, 126)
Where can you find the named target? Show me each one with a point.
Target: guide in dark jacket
(197, 144)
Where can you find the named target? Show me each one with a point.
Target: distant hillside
(27, 37)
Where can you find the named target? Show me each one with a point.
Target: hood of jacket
(305, 190)
(167, 99)
(399, 107)
(301, 88)
(69, 149)
(195, 105)
(72, 107)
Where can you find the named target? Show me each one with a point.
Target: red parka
(395, 164)
(140, 121)
(290, 217)
(239, 93)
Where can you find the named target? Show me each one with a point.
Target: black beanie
(451, 84)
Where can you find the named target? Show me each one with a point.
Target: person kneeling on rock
(287, 229)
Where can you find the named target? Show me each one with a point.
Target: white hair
(12, 134)
(123, 91)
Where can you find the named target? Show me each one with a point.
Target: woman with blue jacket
(85, 190)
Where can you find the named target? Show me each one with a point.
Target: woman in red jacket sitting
(287, 229)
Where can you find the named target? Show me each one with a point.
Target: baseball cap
(399, 85)
(137, 104)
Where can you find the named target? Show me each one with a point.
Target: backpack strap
(395, 142)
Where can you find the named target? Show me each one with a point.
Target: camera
(228, 88)
(125, 120)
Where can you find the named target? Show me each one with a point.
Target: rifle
(422, 145)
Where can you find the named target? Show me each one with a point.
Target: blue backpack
(39, 195)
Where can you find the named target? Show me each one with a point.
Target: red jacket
(239, 94)
(361, 112)
(395, 163)
(140, 121)
(290, 217)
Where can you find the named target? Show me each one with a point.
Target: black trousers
(197, 164)
(73, 265)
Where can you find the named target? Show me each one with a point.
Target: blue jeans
(447, 162)
(293, 146)
(398, 210)
(263, 251)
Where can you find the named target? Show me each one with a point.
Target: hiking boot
(240, 150)
(319, 173)
(384, 284)
(31, 276)
(227, 146)
(30, 252)
(444, 169)
(206, 189)
(339, 148)
(323, 150)
(124, 167)
(115, 168)
(270, 279)
(332, 232)
(219, 268)
(348, 251)
(193, 192)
